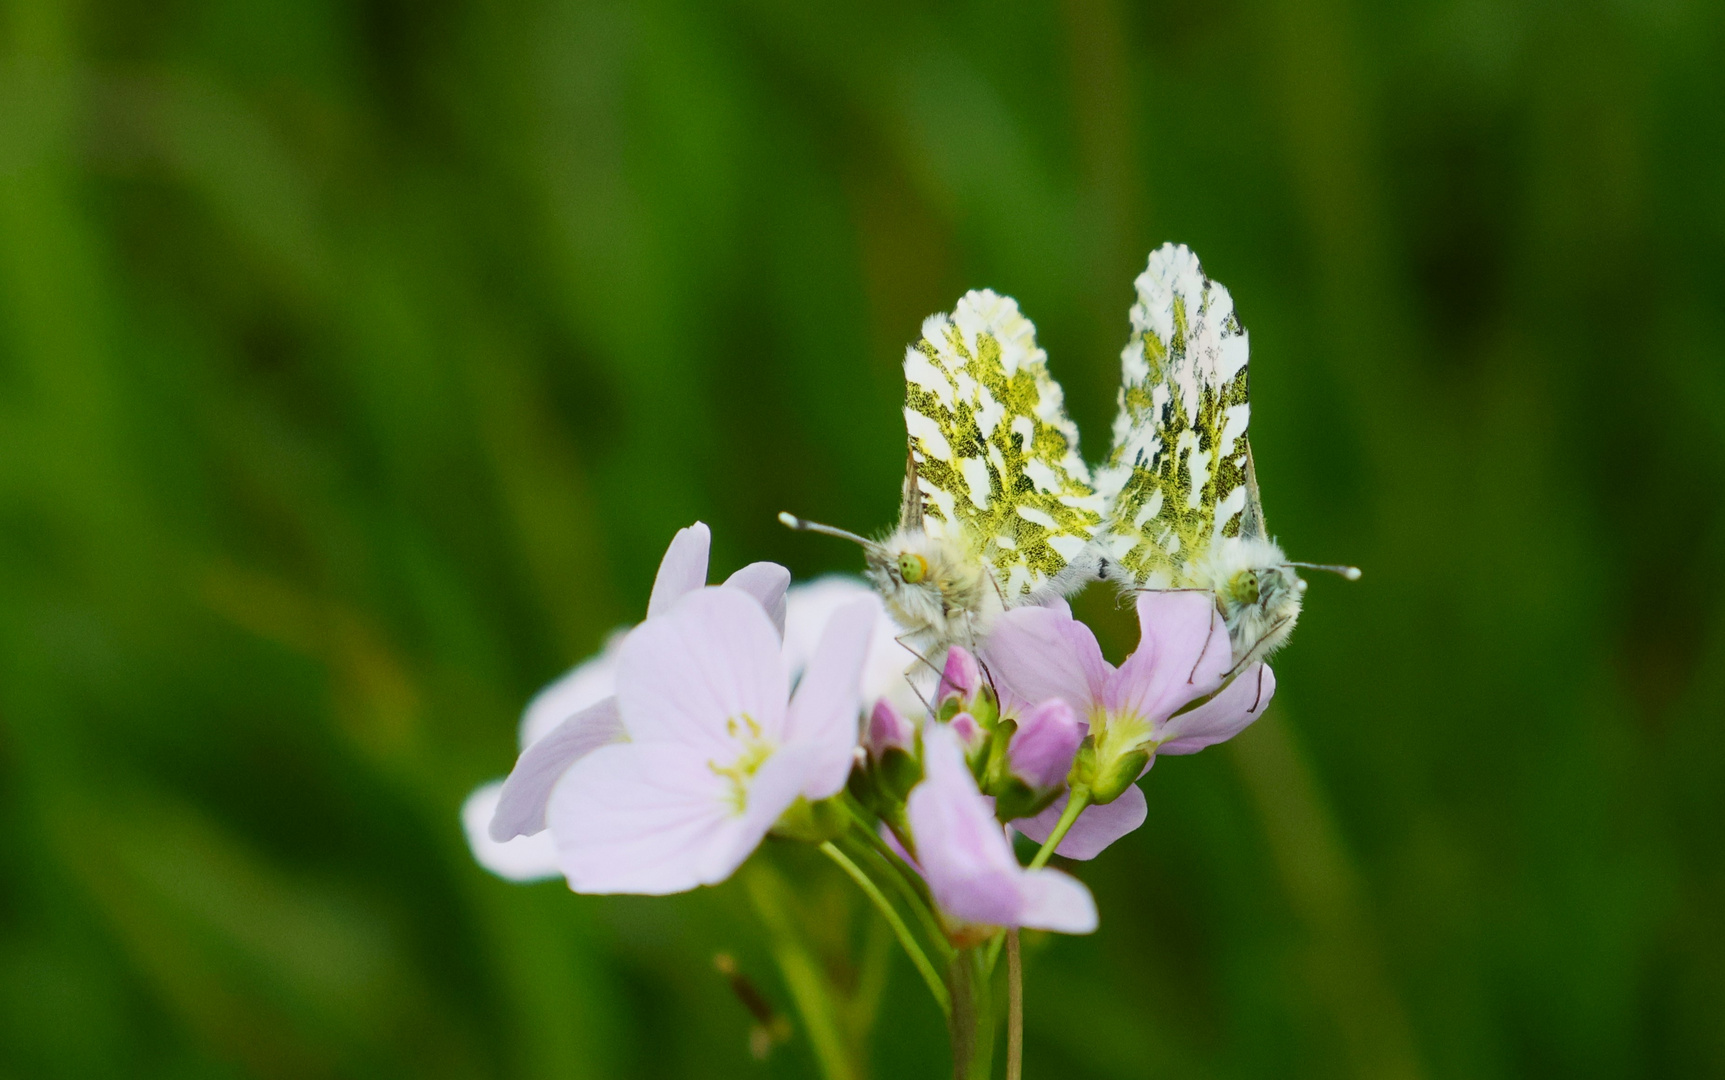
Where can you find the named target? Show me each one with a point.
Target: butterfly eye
(1244, 587)
(913, 568)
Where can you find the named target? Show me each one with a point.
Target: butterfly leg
(1254, 653)
(970, 628)
(1193, 674)
(905, 645)
(908, 681)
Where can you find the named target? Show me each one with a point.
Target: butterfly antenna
(792, 521)
(1351, 573)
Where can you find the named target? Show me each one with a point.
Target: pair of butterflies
(999, 510)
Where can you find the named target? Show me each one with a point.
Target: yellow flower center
(752, 752)
(1117, 734)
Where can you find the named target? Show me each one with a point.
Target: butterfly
(1183, 508)
(999, 509)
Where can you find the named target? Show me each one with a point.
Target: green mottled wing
(1179, 473)
(993, 454)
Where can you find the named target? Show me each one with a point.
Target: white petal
(681, 677)
(587, 683)
(967, 859)
(521, 811)
(1055, 901)
(637, 818)
(525, 858)
(827, 711)
(682, 570)
(766, 582)
(810, 605)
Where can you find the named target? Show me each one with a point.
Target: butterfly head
(928, 584)
(1258, 592)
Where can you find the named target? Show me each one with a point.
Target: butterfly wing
(994, 457)
(1179, 473)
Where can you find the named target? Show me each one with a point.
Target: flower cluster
(756, 707)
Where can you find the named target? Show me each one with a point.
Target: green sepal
(986, 708)
(989, 763)
(813, 822)
(864, 786)
(1014, 799)
(895, 774)
(1083, 764)
(1116, 776)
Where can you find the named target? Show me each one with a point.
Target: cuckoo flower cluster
(756, 708)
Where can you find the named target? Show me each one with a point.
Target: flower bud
(888, 730)
(962, 689)
(962, 677)
(1041, 750)
(970, 733)
(890, 765)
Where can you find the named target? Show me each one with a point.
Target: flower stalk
(900, 930)
(1075, 805)
(972, 1021)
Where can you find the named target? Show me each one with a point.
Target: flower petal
(827, 710)
(1183, 653)
(888, 729)
(1044, 744)
(1037, 653)
(1223, 716)
(525, 858)
(1096, 827)
(715, 658)
(968, 861)
(585, 684)
(960, 847)
(643, 818)
(1055, 901)
(521, 807)
(682, 570)
(961, 676)
(791, 772)
(809, 606)
(766, 582)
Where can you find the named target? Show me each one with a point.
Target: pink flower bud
(1042, 748)
(888, 730)
(969, 732)
(962, 677)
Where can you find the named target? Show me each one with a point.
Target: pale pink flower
(965, 856)
(576, 720)
(1133, 711)
(717, 749)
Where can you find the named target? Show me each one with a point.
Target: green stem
(802, 974)
(972, 1020)
(908, 882)
(891, 915)
(1014, 1008)
(1075, 804)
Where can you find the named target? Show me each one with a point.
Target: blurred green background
(358, 360)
